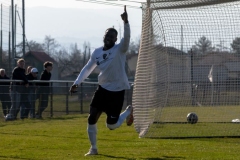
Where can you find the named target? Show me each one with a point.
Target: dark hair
(112, 29)
(46, 64)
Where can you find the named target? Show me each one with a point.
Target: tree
(31, 46)
(50, 45)
(236, 45)
(203, 46)
(86, 53)
(221, 47)
(134, 46)
(34, 46)
(64, 62)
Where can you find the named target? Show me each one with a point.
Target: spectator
(18, 89)
(29, 68)
(44, 89)
(4, 92)
(23, 107)
(32, 91)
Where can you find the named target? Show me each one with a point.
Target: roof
(233, 66)
(174, 51)
(217, 59)
(41, 56)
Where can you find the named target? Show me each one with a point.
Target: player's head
(110, 37)
(48, 66)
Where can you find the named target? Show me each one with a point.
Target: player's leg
(94, 114)
(114, 118)
(92, 129)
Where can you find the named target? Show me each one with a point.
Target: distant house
(36, 59)
(233, 69)
(225, 66)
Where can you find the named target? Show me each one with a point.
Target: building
(36, 59)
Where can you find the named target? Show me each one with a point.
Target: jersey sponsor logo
(105, 58)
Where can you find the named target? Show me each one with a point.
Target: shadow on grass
(66, 117)
(162, 158)
(109, 156)
(18, 158)
(40, 135)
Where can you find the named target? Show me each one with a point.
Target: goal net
(189, 61)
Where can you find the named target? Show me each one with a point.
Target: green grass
(65, 138)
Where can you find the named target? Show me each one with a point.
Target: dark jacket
(4, 86)
(46, 76)
(44, 87)
(19, 74)
(30, 77)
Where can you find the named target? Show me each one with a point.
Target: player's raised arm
(125, 15)
(124, 44)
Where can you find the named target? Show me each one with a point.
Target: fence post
(67, 112)
(81, 100)
(51, 100)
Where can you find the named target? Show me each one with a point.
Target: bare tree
(134, 46)
(50, 45)
(86, 53)
(64, 62)
(31, 46)
(75, 58)
(34, 46)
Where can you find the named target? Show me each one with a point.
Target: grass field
(65, 138)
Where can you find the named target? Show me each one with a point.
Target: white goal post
(189, 61)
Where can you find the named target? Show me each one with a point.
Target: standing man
(44, 88)
(109, 96)
(17, 90)
(4, 92)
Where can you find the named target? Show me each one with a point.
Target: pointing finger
(125, 10)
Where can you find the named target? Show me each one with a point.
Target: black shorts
(109, 102)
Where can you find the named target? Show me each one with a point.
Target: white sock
(123, 116)
(92, 135)
(121, 119)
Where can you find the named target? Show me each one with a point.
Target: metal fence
(59, 102)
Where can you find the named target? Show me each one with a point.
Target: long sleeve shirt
(46, 76)
(111, 64)
(19, 74)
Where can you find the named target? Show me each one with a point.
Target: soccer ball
(192, 118)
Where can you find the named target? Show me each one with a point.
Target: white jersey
(111, 64)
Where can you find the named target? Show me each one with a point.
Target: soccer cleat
(91, 152)
(129, 119)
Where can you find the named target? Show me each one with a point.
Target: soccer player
(109, 96)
